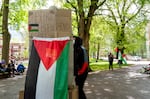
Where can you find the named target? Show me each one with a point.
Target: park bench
(4, 75)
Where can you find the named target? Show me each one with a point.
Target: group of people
(10, 68)
(121, 58)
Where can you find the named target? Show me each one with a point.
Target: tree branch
(100, 4)
(135, 14)
(93, 7)
(114, 17)
(71, 4)
(129, 6)
(75, 8)
(118, 10)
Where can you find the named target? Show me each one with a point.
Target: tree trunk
(142, 52)
(85, 21)
(98, 48)
(6, 35)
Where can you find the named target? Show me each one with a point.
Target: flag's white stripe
(45, 82)
(34, 27)
(51, 39)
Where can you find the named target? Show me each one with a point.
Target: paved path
(125, 83)
(10, 87)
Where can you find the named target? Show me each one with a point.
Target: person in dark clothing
(9, 70)
(110, 59)
(1, 68)
(80, 66)
(12, 66)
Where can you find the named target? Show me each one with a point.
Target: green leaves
(121, 12)
(19, 10)
(118, 22)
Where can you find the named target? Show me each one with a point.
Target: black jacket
(78, 56)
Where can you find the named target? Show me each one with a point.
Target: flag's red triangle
(49, 51)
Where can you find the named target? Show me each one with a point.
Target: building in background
(16, 47)
(17, 51)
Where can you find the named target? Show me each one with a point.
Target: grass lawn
(104, 65)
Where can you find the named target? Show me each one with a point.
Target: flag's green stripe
(35, 30)
(61, 78)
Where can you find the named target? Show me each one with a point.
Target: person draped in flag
(80, 66)
(119, 59)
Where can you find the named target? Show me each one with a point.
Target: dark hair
(78, 41)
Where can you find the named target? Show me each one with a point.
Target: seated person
(1, 68)
(11, 65)
(9, 70)
(20, 68)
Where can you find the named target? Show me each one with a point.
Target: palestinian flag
(33, 27)
(47, 75)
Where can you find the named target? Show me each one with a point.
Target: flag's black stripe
(31, 78)
(33, 24)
